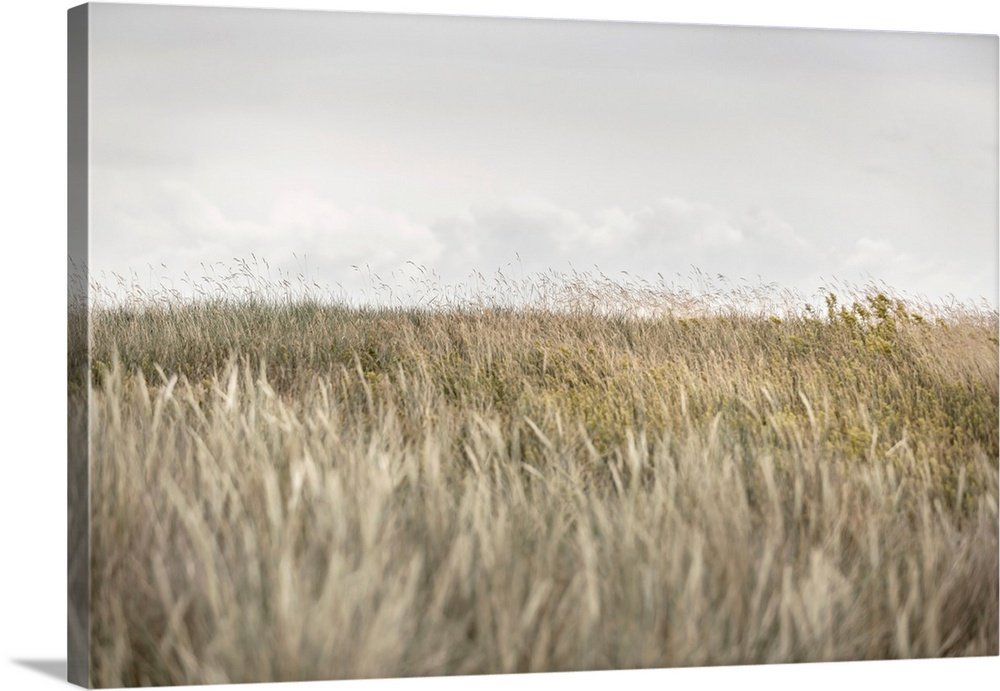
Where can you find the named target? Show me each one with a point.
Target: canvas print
(412, 345)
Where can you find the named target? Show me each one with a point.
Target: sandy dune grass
(286, 491)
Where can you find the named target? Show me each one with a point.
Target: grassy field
(287, 490)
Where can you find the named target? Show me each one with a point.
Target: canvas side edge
(78, 349)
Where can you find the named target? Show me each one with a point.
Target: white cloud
(668, 236)
(869, 253)
(488, 236)
(363, 235)
(177, 228)
(700, 225)
(881, 261)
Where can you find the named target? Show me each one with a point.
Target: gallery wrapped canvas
(407, 345)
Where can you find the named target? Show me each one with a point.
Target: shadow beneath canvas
(50, 668)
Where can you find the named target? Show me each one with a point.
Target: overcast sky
(460, 144)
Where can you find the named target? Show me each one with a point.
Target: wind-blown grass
(288, 490)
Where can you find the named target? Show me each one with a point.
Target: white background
(32, 335)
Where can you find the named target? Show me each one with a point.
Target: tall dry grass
(288, 490)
